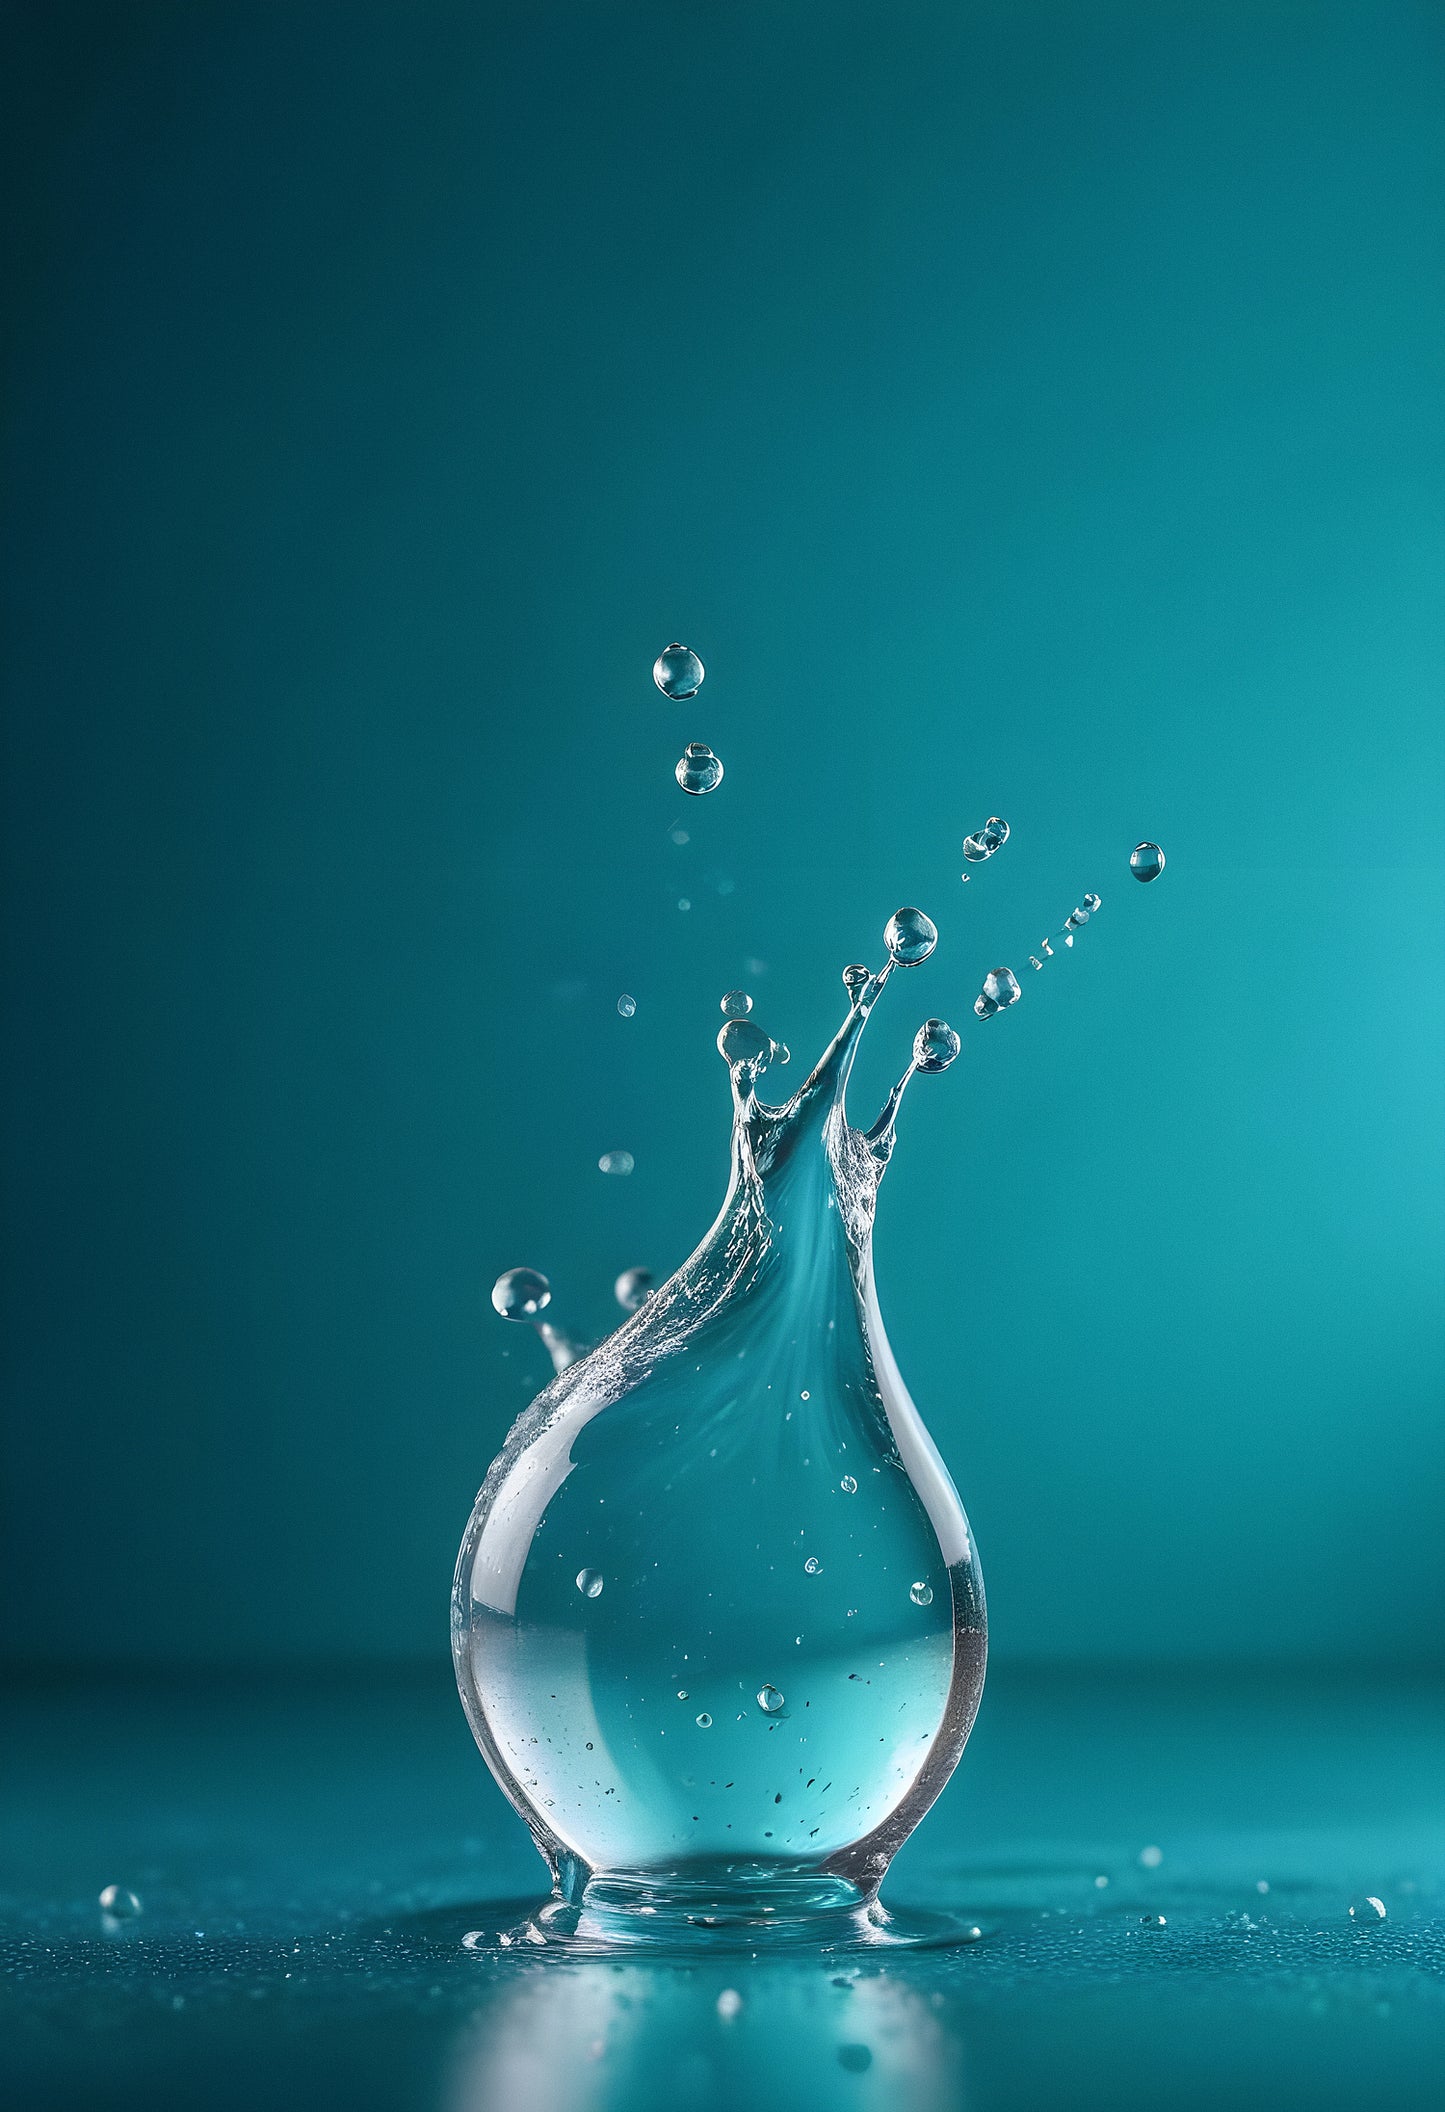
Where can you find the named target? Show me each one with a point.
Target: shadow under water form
(718, 1619)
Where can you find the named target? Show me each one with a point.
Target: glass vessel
(718, 1619)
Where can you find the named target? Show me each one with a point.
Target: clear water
(985, 841)
(520, 1294)
(632, 1287)
(1146, 861)
(626, 1005)
(678, 672)
(735, 1004)
(934, 1045)
(698, 771)
(731, 1498)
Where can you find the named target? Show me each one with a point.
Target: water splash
(750, 1401)
(678, 672)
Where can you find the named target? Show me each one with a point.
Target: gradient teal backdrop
(1023, 408)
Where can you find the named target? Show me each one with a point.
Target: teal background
(1023, 408)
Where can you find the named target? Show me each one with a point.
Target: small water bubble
(589, 1583)
(975, 850)
(729, 2002)
(520, 1294)
(632, 1288)
(910, 937)
(626, 1005)
(921, 1593)
(813, 1567)
(679, 837)
(1001, 988)
(984, 1006)
(704, 1722)
(683, 902)
(934, 1045)
(1261, 1884)
(119, 1903)
(995, 832)
(678, 672)
(735, 1004)
(769, 1700)
(848, 1485)
(1092, 903)
(616, 1162)
(781, 1052)
(1146, 861)
(1100, 1883)
(855, 2058)
(1367, 1910)
(1150, 1858)
(1153, 1921)
(698, 769)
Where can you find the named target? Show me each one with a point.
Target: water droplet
(1034, 961)
(1153, 1921)
(1076, 918)
(682, 1693)
(813, 1567)
(736, 1004)
(678, 673)
(1001, 987)
(995, 832)
(683, 902)
(935, 1045)
(741, 1041)
(626, 1005)
(589, 1583)
(1046, 949)
(1261, 1884)
(921, 1594)
(1091, 903)
(520, 1294)
(769, 1700)
(698, 769)
(729, 2002)
(975, 850)
(119, 1904)
(910, 937)
(616, 1162)
(1146, 861)
(1151, 1858)
(781, 1052)
(632, 1287)
(855, 975)
(679, 837)
(984, 1006)
(848, 1485)
(1367, 1910)
(855, 2058)
(1099, 1883)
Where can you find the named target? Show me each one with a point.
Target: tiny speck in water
(680, 837)
(735, 1004)
(1099, 1883)
(921, 1594)
(848, 1485)
(519, 1294)
(1151, 1858)
(626, 1005)
(1261, 1884)
(813, 1567)
(698, 769)
(678, 672)
(855, 2058)
(729, 2002)
(805, 1395)
(1366, 1909)
(683, 902)
(589, 1583)
(616, 1162)
(682, 1693)
(704, 1722)
(1146, 861)
(769, 1700)
(118, 1903)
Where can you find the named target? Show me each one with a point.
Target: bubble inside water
(855, 2058)
(698, 769)
(118, 1903)
(589, 1583)
(1001, 987)
(910, 937)
(520, 1294)
(769, 1700)
(1146, 861)
(632, 1287)
(1367, 1909)
(934, 1045)
(995, 832)
(813, 1567)
(729, 2002)
(626, 1005)
(921, 1594)
(855, 975)
(848, 1485)
(1151, 1858)
(616, 1162)
(742, 1041)
(704, 1722)
(678, 672)
(735, 1004)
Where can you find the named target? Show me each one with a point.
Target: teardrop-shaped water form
(910, 937)
(678, 672)
(735, 1004)
(698, 769)
(935, 1045)
(750, 1406)
(520, 1294)
(1146, 861)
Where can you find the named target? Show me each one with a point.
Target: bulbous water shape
(632, 1287)
(520, 1294)
(678, 672)
(698, 769)
(1146, 861)
(739, 1475)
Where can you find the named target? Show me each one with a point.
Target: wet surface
(310, 1855)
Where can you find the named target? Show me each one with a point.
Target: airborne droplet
(921, 1594)
(735, 1004)
(848, 1485)
(698, 769)
(704, 1722)
(769, 1700)
(632, 1287)
(813, 1567)
(119, 1903)
(743, 1041)
(1367, 1910)
(1146, 861)
(626, 1005)
(678, 672)
(934, 1045)
(616, 1162)
(589, 1583)
(910, 937)
(520, 1294)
